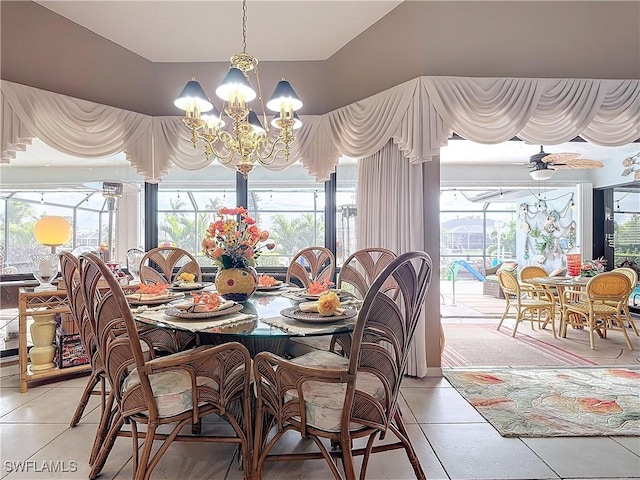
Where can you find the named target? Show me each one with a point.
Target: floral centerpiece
(234, 241)
(592, 267)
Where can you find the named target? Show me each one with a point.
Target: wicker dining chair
(175, 390)
(71, 276)
(165, 264)
(356, 275)
(311, 264)
(598, 307)
(528, 301)
(633, 278)
(532, 271)
(323, 395)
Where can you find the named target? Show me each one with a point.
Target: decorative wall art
(545, 234)
(632, 166)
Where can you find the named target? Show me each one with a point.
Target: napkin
(313, 307)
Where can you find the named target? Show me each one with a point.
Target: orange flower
(319, 287)
(266, 281)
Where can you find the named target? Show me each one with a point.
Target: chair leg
(143, 463)
(504, 315)
(84, 399)
(347, 459)
(103, 427)
(400, 431)
(592, 328)
(623, 329)
(632, 324)
(101, 458)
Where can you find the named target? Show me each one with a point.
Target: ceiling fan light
(542, 174)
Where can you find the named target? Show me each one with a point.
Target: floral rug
(554, 402)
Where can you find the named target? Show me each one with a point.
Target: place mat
(136, 298)
(297, 328)
(179, 313)
(315, 317)
(193, 325)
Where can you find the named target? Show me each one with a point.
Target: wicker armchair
(598, 307)
(311, 264)
(528, 301)
(165, 264)
(175, 390)
(322, 395)
(532, 271)
(633, 278)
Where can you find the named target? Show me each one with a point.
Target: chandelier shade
(193, 97)
(235, 86)
(284, 97)
(246, 140)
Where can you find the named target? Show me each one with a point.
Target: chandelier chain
(244, 26)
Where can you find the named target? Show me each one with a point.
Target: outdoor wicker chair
(528, 301)
(532, 271)
(311, 264)
(175, 390)
(323, 395)
(598, 307)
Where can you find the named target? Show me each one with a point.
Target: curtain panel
(391, 214)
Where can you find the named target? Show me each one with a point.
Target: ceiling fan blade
(579, 163)
(558, 158)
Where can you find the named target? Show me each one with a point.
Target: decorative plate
(145, 299)
(186, 287)
(178, 313)
(315, 317)
(275, 286)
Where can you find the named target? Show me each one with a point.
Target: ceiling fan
(543, 165)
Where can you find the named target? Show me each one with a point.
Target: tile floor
(452, 440)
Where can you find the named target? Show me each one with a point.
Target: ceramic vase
(43, 333)
(237, 284)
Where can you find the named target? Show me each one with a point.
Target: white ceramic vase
(43, 334)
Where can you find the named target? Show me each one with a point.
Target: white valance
(418, 116)
(75, 127)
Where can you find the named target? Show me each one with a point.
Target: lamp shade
(235, 83)
(254, 121)
(542, 174)
(53, 231)
(193, 95)
(212, 117)
(284, 97)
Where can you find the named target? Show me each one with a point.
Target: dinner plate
(315, 317)
(178, 313)
(189, 305)
(139, 298)
(264, 288)
(186, 288)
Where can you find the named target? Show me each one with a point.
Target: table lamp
(51, 231)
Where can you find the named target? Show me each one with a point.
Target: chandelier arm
(272, 153)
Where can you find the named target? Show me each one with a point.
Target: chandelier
(246, 140)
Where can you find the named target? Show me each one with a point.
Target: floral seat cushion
(324, 401)
(171, 389)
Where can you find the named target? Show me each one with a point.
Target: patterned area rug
(469, 345)
(578, 402)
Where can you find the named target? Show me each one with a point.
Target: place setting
(185, 282)
(268, 285)
(153, 294)
(205, 305)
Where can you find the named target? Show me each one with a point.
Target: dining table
(264, 322)
(557, 287)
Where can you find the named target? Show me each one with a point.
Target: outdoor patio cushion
(324, 401)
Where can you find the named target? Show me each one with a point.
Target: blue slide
(471, 268)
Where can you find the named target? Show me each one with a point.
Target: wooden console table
(29, 302)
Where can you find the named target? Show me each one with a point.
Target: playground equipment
(476, 274)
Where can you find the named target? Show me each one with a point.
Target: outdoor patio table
(560, 284)
(259, 325)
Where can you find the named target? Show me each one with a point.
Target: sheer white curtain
(391, 215)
